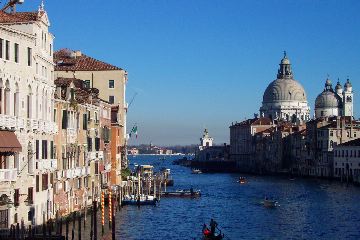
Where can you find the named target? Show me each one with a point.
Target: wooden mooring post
(79, 230)
(95, 221)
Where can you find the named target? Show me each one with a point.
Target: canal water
(309, 208)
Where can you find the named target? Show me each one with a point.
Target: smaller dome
(328, 83)
(285, 60)
(348, 84)
(338, 86)
(328, 99)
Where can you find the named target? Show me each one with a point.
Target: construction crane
(12, 5)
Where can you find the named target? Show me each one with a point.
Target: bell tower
(206, 140)
(348, 99)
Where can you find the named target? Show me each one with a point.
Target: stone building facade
(26, 103)
(82, 145)
(110, 80)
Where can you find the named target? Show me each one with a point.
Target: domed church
(285, 98)
(336, 102)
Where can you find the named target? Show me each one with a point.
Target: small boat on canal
(196, 171)
(212, 234)
(242, 180)
(182, 193)
(139, 201)
(268, 203)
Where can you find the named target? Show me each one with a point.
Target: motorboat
(139, 200)
(270, 203)
(182, 193)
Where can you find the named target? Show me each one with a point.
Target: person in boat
(191, 190)
(206, 230)
(213, 225)
(266, 198)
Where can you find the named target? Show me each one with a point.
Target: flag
(134, 130)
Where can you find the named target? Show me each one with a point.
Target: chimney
(78, 53)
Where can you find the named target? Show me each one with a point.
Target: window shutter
(85, 121)
(64, 119)
(97, 144)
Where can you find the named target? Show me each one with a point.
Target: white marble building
(26, 107)
(285, 98)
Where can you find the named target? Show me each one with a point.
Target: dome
(285, 60)
(284, 90)
(328, 83)
(328, 99)
(348, 84)
(338, 86)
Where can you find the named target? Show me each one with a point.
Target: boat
(196, 171)
(182, 193)
(143, 200)
(212, 234)
(242, 180)
(270, 203)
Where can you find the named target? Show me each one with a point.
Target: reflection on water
(309, 209)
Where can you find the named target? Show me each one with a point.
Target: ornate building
(285, 98)
(336, 102)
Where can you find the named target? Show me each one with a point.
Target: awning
(9, 142)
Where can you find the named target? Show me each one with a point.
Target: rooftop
(20, 17)
(69, 60)
(355, 142)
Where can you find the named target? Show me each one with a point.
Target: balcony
(95, 155)
(17, 123)
(107, 167)
(47, 165)
(12, 122)
(8, 175)
(69, 173)
(71, 135)
(86, 171)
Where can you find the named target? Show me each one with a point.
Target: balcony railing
(7, 175)
(17, 123)
(47, 164)
(95, 155)
(107, 167)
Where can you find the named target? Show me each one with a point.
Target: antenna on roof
(12, 5)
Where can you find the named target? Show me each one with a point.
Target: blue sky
(206, 63)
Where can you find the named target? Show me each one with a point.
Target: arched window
(7, 98)
(29, 102)
(16, 100)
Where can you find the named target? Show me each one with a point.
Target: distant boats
(242, 180)
(196, 171)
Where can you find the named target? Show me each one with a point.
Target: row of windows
(5, 51)
(347, 153)
(46, 150)
(111, 85)
(87, 84)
